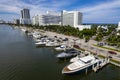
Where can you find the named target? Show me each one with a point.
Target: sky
(94, 11)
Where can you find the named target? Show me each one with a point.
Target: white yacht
(82, 64)
(37, 40)
(23, 29)
(60, 48)
(50, 43)
(36, 35)
(40, 43)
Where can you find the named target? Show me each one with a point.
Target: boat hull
(79, 70)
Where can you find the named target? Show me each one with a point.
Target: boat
(52, 43)
(41, 43)
(68, 54)
(29, 34)
(37, 40)
(82, 64)
(24, 30)
(61, 48)
(36, 35)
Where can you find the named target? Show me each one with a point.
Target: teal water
(21, 60)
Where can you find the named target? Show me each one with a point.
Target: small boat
(68, 54)
(24, 30)
(36, 35)
(50, 43)
(37, 40)
(84, 63)
(60, 48)
(29, 34)
(41, 43)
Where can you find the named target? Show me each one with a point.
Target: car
(91, 47)
(76, 46)
(100, 44)
(112, 52)
(110, 56)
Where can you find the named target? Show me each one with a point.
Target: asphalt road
(100, 51)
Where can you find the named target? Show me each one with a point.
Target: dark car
(111, 52)
(76, 46)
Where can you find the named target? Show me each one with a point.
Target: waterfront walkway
(81, 42)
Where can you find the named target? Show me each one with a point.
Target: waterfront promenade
(89, 46)
(86, 46)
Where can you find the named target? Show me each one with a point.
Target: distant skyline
(94, 11)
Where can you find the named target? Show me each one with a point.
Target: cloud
(35, 6)
(39, 5)
(99, 12)
(103, 6)
(107, 12)
(8, 16)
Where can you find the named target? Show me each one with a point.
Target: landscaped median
(106, 48)
(112, 60)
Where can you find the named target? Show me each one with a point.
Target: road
(87, 46)
(100, 51)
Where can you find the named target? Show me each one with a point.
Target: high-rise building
(2, 21)
(35, 20)
(50, 19)
(118, 26)
(72, 18)
(16, 21)
(47, 19)
(25, 16)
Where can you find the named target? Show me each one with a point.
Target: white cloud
(102, 6)
(107, 12)
(102, 12)
(35, 6)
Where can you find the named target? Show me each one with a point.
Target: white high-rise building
(47, 19)
(74, 19)
(35, 20)
(25, 16)
(118, 26)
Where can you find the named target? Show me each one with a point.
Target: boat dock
(115, 64)
(103, 63)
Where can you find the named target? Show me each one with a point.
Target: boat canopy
(87, 58)
(76, 65)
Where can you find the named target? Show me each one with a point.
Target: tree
(87, 38)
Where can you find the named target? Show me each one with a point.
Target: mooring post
(86, 71)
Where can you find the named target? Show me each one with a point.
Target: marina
(23, 61)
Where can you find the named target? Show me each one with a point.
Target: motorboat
(23, 29)
(29, 33)
(61, 48)
(36, 35)
(52, 43)
(40, 43)
(84, 63)
(68, 54)
(37, 40)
